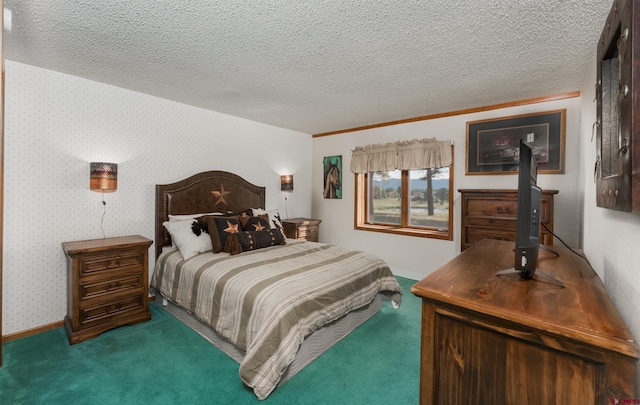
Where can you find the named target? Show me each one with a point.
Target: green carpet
(164, 362)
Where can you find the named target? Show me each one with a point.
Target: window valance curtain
(404, 155)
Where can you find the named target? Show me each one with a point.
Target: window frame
(361, 209)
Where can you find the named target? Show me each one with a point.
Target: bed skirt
(310, 349)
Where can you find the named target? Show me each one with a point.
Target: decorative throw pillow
(244, 217)
(274, 218)
(248, 223)
(220, 228)
(247, 212)
(261, 239)
(191, 236)
(265, 219)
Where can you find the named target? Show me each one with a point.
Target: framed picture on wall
(492, 145)
(332, 177)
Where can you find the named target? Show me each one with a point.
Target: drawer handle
(113, 286)
(502, 210)
(114, 308)
(113, 264)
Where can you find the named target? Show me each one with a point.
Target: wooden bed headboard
(213, 191)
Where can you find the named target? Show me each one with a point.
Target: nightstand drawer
(100, 263)
(100, 311)
(308, 233)
(126, 282)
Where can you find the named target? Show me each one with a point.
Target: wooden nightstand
(107, 285)
(302, 228)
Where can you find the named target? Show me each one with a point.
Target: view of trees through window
(427, 204)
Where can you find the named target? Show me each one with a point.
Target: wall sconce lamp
(103, 178)
(286, 182)
(286, 185)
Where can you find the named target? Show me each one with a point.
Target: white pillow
(274, 218)
(189, 237)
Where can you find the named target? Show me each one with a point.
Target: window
(406, 202)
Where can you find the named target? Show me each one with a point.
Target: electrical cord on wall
(567, 246)
(104, 204)
(286, 207)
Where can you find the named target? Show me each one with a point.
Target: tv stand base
(537, 275)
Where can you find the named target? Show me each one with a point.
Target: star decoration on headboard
(220, 195)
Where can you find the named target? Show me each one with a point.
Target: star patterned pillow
(249, 223)
(220, 228)
(273, 217)
(252, 240)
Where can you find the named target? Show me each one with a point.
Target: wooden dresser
(302, 228)
(107, 285)
(491, 214)
(489, 339)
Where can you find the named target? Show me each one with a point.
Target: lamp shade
(104, 177)
(286, 182)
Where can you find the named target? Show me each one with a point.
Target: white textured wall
(417, 257)
(610, 238)
(56, 124)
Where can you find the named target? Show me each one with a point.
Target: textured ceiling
(316, 66)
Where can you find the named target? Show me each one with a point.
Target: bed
(272, 309)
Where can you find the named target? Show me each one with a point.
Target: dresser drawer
(481, 207)
(489, 222)
(507, 208)
(102, 310)
(113, 285)
(95, 264)
(476, 234)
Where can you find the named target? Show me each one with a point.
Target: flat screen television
(528, 215)
(527, 244)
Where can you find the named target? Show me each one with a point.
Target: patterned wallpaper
(55, 124)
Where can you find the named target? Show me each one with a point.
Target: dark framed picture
(332, 177)
(492, 145)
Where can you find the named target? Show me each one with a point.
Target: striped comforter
(267, 301)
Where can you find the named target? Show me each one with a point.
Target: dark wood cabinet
(107, 285)
(489, 339)
(491, 214)
(302, 228)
